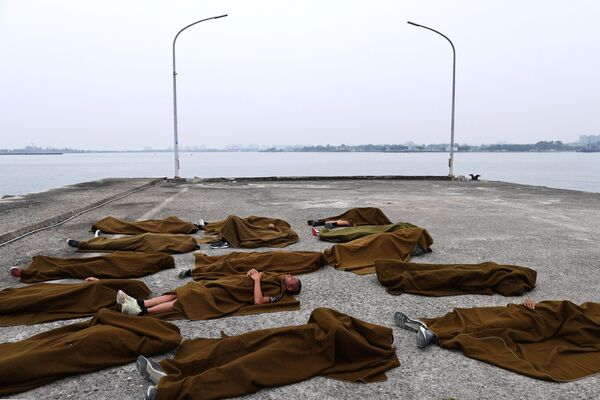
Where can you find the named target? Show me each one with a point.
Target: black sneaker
(184, 273)
(417, 250)
(221, 244)
(73, 243)
(331, 225)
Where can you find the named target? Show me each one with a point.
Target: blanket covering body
(359, 255)
(107, 340)
(170, 224)
(331, 344)
(250, 232)
(454, 279)
(236, 263)
(557, 341)
(44, 302)
(114, 265)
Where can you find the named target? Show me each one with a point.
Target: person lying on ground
(147, 243)
(550, 340)
(425, 336)
(331, 344)
(170, 224)
(353, 217)
(167, 303)
(210, 267)
(347, 234)
(248, 232)
(115, 265)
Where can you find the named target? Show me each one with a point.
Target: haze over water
(26, 174)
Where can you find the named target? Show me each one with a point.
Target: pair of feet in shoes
(152, 371)
(425, 336)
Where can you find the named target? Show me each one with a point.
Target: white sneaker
(130, 309)
(123, 298)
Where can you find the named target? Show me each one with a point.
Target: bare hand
(529, 303)
(91, 279)
(254, 274)
(271, 226)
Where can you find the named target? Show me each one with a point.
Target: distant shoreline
(285, 151)
(33, 154)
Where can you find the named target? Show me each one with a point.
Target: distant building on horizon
(585, 140)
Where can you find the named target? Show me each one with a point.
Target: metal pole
(451, 160)
(175, 133)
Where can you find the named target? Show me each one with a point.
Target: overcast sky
(97, 74)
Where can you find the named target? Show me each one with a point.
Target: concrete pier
(556, 232)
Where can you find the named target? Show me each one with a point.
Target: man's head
(292, 284)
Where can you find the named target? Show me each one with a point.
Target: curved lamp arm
(175, 133)
(451, 160)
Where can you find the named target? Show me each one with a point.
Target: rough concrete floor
(553, 231)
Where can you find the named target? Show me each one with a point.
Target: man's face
(290, 282)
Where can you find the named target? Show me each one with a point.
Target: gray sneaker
(425, 337)
(150, 370)
(151, 393)
(404, 322)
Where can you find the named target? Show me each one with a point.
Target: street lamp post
(451, 160)
(175, 138)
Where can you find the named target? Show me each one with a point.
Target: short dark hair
(297, 289)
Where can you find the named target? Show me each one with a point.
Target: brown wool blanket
(120, 226)
(557, 341)
(250, 232)
(231, 295)
(107, 340)
(454, 279)
(360, 216)
(236, 263)
(147, 242)
(44, 302)
(114, 265)
(331, 344)
(343, 235)
(359, 255)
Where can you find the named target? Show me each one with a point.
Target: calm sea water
(27, 174)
